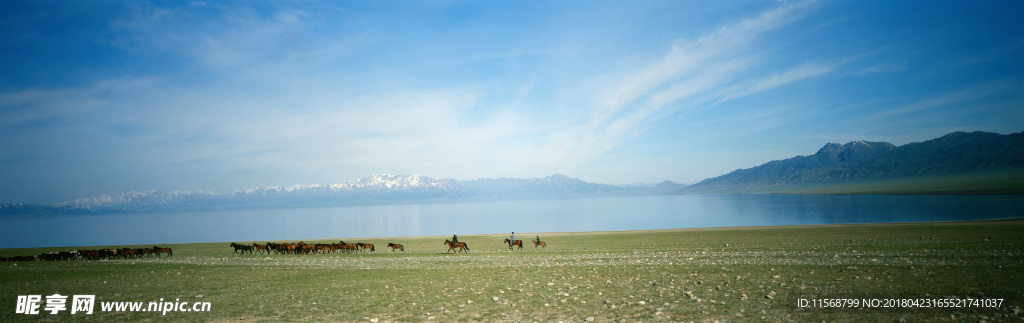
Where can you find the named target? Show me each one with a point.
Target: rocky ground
(729, 274)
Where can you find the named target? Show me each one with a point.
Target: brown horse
(277, 247)
(158, 251)
(517, 243)
(89, 254)
(539, 243)
(461, 245)
(126, 253)
(348, 247)
(290, 247)
(261, 248)
(324, 248)
(144, 252)
(364, 246)
(394, 246)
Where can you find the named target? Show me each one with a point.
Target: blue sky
(104, 97)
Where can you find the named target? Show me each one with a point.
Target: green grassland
(1000, 181)
(719, 274)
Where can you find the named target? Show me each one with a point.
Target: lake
(524, 216)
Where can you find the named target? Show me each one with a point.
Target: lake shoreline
(529, 235)
(499, 217)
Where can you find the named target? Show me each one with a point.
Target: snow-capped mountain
(383, 181)
(376, 189)
(136, 200)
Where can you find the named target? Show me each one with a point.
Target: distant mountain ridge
(376, 189)
(958, 152)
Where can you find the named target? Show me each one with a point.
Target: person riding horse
(512, 240)
(455, 239)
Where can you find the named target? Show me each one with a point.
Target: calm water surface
(589, 214)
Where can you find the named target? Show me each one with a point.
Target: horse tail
(373, 248)
(465, 245)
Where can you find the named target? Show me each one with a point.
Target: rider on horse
(455, 239)
(512, 241)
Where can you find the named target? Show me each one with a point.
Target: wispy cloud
(951, 98)
(714, 68)
(798, 73)
(881, 68)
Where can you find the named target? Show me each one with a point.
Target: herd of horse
(101, 254)
(308, 248)
(276, 248)
(341, 246)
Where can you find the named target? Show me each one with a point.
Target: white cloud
(881, 68)
(685, 57)
(798, 73)
(959, 97)
(691, 73)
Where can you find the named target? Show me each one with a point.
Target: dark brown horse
(144, 252)
(394, 246)
(348, 247)
(261, 248)
(277, 248)
(126, 253)
(461, 245)
(290, 247)
(364, 246)
(324, 248)
(306, 248)
(158, 251)
(517, 243)
(108, 253)
(89, 254)
(539, 243)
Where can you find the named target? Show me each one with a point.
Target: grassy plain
(720, 274)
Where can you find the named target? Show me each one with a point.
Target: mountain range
(997, 159)
(957, 163)
(376, 189)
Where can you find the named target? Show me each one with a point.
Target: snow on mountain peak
(391, 181)
(377, 188)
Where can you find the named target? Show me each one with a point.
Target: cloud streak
(949, 99)
(699, 73)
